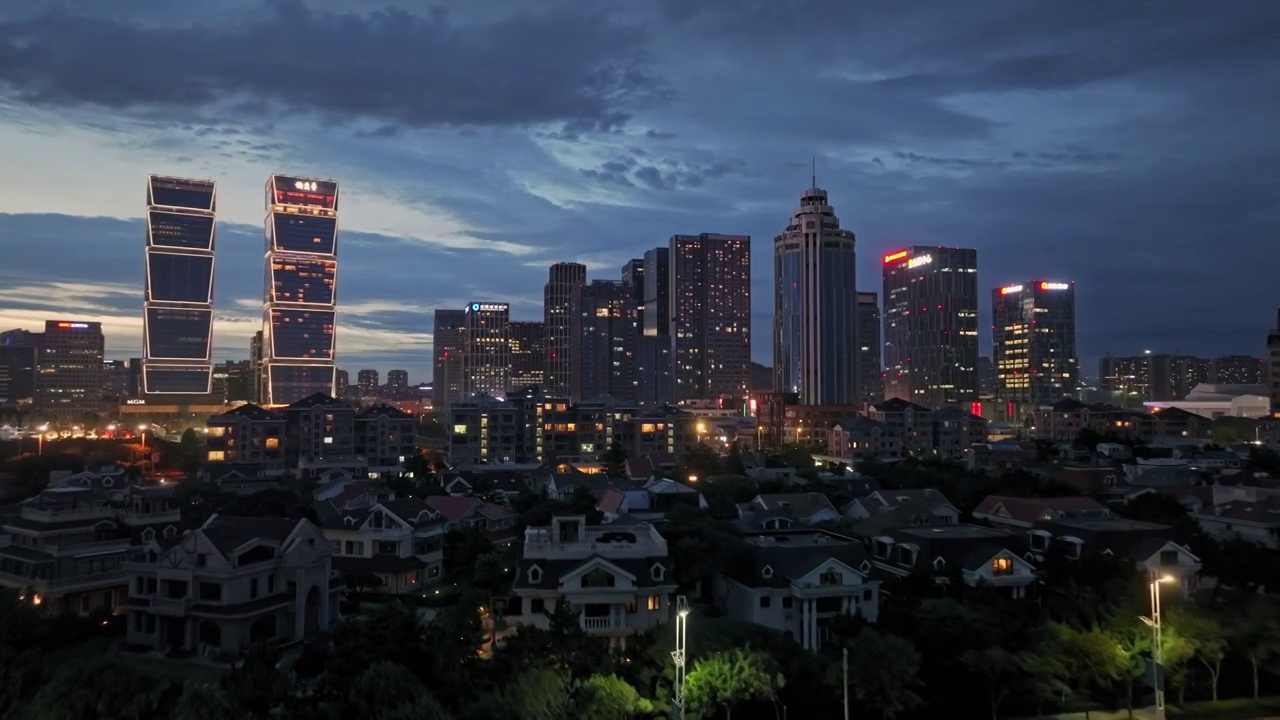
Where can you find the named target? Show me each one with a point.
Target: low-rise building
(496, 522)
(881, 510)
(64, 549)
(980, 556)
(1150, 547)
(230, 584)
(395, 546)
(862, 438)
(1026, 512)
(619, 578)
(797, 582)
(247, 435)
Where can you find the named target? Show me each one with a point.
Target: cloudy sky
(1130, 146)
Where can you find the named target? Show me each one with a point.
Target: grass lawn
(181, 670)
(1235, 709)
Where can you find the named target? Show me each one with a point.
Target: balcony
(602, 624)
(84, 582)
(541, 543)
(65, 514)
(173, 607)
(82, 548)
(138, 517)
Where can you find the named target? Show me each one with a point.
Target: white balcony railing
(170, 606)
(97, 546)
(602, 623)
(102, 578)
(64, 514)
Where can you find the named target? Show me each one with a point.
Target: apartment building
(64, 549)
(385, 437)
(248, 434)
(619, 578)
(230, 584)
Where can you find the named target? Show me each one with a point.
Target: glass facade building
(562, 279)
(710, 314)
(931, 326)
(177, 356)
(815, 349)
(1034, 334)
(487, 357)
(300, 298)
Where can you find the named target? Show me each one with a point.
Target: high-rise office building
(870, 350)
(710, 309)
(1237, 370)
(17, 375)
(633, 288)
(1034, 341)
(931, 325)
(1127, 379)
(528, 354)
(299, 311)
(815, 306)
(69, 369)
(177, 319)
(115, 380)
(367, 382)
(601, 339)
(446, 356)
(986, 377)
(1155, 377)
(486, 340)
(397, 382)
(257, 358)
(342, 383)
(1273, 362)
(653, 353)
(556, 299)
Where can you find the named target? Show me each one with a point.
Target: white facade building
(619, 578)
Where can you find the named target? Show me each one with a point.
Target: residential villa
(229, 584)
(620, 578)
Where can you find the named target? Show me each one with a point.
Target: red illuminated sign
(975, 408)
(896, 256)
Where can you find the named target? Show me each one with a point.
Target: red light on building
(64, 325)
(895, 256)
(975, 408)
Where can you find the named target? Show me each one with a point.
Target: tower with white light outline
(299, 315)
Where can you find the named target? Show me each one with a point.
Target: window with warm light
(655, 602)
(273, 443)
(217, 456)
(217, 431)
(1002, 566)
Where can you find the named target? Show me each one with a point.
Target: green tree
(256, 686)
(1176, 652)
(1095, 659)
(733, 463)
(388, 691)
(541, 694)
(102, 689)
(726, 680)
(609, 697)
(1207, 637)
(200, 701)
(1003, 671)
(883, 673)
(1256, 631)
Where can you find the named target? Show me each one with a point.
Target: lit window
(273, 443)
(1002, 566)
(655, 602)
(217, 456)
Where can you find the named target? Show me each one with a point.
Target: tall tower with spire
(815, 305)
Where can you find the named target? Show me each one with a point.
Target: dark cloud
(578, 68)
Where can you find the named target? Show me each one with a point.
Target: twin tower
(298, 310)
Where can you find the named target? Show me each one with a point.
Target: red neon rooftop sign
(895, 256)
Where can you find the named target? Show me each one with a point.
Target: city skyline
(1067, 163)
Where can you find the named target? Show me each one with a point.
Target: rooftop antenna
(813, 159)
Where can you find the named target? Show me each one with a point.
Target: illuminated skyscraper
(815, 351)
(177, 316)
(557, 296)
(870, 349)
(299, 310)
(447, 352)
(931, 326)
(710, 308)
(1033, 330)
(69, 369)
(601, 332)
(528, 358)
(486, 339)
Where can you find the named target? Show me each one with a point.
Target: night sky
(1130, 146)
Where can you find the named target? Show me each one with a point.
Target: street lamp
(678, 655)
(143, 429)
(1156, 639)
(40, 442)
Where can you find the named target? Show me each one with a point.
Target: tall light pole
(678, 655)
(844, 665)
(1157, 641)
(40, 438)
(143, 429)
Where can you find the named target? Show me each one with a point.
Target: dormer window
(535, 575)
(148, 535)
(1039, 540)
(883, 546)
(1072, 546)
(939, 564)
(170, 531)
(657, 572)
(1002, 566)
(830, 577)
(767, 572)
(865, 567)
(906, 555)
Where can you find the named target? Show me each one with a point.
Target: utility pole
(678, 655)
(1157, 640)
(844, 662)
